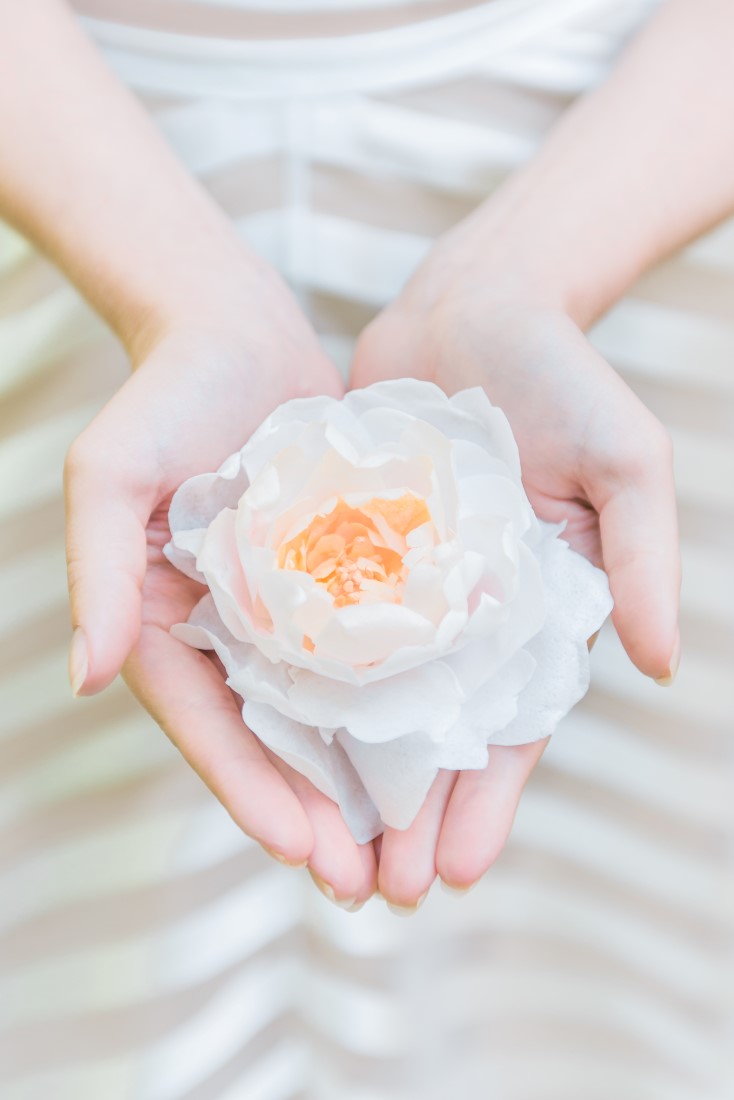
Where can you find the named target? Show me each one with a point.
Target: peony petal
(424, 700)
(397, 775)
(489, 495)
(473, 460)
(193, 507)
(367, 633)
(183, 550)
(424, 592)
(578, 602)
(290, 424)
(495, 542)
(486, 713)
(326, 766)
(220, 565)
(249, 672)
(498, 438)
(525, 604)
(468, 415)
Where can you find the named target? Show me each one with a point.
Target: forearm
(85, 175)
(633, 171)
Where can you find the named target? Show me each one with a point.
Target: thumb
(639, 532)
(106, 562)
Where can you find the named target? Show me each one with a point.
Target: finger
(480, 813)
(106, 561)
(185, 694)
(639, 532)
(408, 856)
(344, 871)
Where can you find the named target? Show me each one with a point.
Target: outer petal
(396, 774)
(327, 766)
(249, 673)
(424, 700)
(468, 415)
(287, 424)
(193, 507)
(578, 602)
(486, 713)
(219, 564)
(499, 440)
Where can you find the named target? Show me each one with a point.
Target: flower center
(357, 553)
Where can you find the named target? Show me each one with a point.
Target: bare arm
(85, 174)
(633, 171)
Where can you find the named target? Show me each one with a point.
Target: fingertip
(78, 661)
(459, 867)
(97, 653)
(651, 642)
(287, 858)
(287, 834)
(672, 671)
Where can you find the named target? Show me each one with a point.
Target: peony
(382, 595)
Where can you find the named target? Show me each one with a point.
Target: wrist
(211, 292)
(516, 265)
(515, 247)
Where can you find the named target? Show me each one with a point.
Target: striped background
(150, 952)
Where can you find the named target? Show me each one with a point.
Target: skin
(216, 341)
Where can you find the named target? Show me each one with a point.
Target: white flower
(382, 595)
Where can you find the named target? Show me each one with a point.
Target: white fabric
(150, 951)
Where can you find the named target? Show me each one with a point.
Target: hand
(591, 453)
(201, 387)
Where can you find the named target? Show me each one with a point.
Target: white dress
(149, 950)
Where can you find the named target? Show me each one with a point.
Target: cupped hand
(592, 454)
(201, 386)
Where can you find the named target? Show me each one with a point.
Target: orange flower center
(357, 553)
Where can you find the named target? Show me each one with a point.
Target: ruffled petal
(578, 601)
(219, 564)
(487, 712)
(425, 700)
(326, 766)
(367, 633)
(397, 775)
(193, 507)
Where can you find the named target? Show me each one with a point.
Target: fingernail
(455, 891)
(406, 910)
(78, 661)
(592, 641)
(666, 681)
(283, 859)
(328, 892)
(356, 907)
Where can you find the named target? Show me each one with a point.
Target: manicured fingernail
(328, 892)
(666, 681)
(456, 891)
(283, 859)
(406, 910)
(78, 661)
(356, 907)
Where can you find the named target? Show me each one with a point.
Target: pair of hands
(591, 454)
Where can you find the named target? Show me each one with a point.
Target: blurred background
(150, 951)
